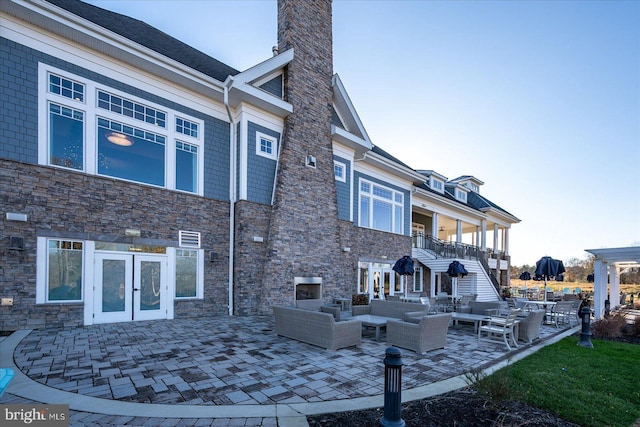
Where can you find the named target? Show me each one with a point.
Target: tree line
(577, 270)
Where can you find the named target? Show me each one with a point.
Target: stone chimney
(304, 230)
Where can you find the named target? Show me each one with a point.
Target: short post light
(392, 389)
(585, 335)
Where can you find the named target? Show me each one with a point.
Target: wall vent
(189, 239)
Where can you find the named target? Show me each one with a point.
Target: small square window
(266, 146)
(340, 171)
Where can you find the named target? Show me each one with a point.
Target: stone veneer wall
(72, 205)
(303, 230)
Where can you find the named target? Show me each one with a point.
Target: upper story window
(95, 129)
(437, 185)
(266, 146)
(381, 208)
(340, 171)
(132, 109)
(66, 87)
(461, 195)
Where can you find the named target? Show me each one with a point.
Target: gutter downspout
(232, 189)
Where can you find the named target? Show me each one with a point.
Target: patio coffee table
(476, 319)
(374, 321)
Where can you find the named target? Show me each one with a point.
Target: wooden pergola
(608, 264)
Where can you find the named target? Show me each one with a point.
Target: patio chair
(443, 302)
(529, 327)
(429, 334)
(565, 312)
(500, 328)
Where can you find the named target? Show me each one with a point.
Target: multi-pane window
(266, 146)
(417, 279)
(381, 208)
(130, 153)
(64, 270)
(339, 171)
(120, 105)
(461, 195)
(99, 131)
(186, 273)
(437, 185)
(186, 167)
(186, 127)
(66, 137)
(66, 87)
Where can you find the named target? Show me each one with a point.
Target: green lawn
(597, 386)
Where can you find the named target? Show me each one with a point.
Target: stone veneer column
(303, 231)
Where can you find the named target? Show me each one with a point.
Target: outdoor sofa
(429, 333)
(391, 309)
(317, 328)
(482, 307)
(319, 305)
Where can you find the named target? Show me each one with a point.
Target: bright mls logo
(34, 415)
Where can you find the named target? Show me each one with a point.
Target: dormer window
(437, 185)
(461, 195)
(473, 187)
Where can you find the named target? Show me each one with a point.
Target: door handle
(136, 289)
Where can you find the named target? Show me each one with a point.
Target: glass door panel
(113, 285)
(150, 287)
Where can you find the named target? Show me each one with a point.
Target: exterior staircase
(437, 255)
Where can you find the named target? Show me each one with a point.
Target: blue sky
(538, 99)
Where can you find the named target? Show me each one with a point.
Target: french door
(129, 287)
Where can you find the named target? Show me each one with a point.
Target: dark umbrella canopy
(404, 266)
(456, 269)
(590, 278)
(548, 267)
(525, 275)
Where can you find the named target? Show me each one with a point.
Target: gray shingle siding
(342, 190)
(274, 86)
(19, 132)
(356, 199)
(19, 100)
(260, 170)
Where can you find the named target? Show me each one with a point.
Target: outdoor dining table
(546, 305)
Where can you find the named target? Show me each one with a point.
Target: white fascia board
(49, 17)
(243, 92)
(629, 254)
(393, 168)
(265, 68)
(358, 144)
(340, 91)
(503, 216)
(382, 174)
(430, 173)
(261, 117)
(242, 87)
(443, 205)
(343, 151)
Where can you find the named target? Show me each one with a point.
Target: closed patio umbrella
(404, 267)
(456, 269)
(547, 268)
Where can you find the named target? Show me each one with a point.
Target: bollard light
(585, 335)
(392, 389)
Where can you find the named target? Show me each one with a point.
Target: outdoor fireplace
(308, 288)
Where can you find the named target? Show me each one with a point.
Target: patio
(229, 367)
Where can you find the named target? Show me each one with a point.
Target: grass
(596, 386)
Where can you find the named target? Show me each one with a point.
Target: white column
(432, 287)
(434, 225)
(506, 241)
(476, 241)
(483, 235)
(614, 286)
(458, 231)
(599, 288)
(495, 238)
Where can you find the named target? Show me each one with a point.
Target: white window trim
(437, 185)
(171, 252)
(391, 201)
(421, 277)
(342, 178)
(274, 145)
(42, 270)
(91, 112)
(461, 195)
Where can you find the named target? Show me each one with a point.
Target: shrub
(609, 327)
(634, 328)
(496, 388)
